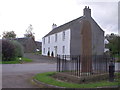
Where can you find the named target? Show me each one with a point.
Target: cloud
(105, 14)
(18, 14)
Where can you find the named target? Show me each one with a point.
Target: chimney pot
(87, 11)
(54, 26)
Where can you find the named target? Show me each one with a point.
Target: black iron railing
(83, 65)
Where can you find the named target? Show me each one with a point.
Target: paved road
(19, 75)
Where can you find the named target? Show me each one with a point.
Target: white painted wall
(60, 43)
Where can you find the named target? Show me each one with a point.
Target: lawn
(46, 78)
(24, 60)
(38, 52)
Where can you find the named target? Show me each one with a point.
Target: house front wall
(57, 46)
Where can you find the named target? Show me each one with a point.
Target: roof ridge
(55, 31)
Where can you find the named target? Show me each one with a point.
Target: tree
(18, 48)
(8, 51)
(29, 32)
(114, 43)
(9, 34)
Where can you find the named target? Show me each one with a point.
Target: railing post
(65, 63)
(62, 62)
(111, 71)
(59, 63)
(79, 65)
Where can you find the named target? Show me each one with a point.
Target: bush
(8, 51)
(18, 49)
(0, 50)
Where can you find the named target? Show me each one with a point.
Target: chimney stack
(54, 26)
(87, 11)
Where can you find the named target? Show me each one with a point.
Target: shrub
(0, 50)
(18, 49)
(8, 51)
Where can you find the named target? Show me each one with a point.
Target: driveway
(39, 58)
(19, 75)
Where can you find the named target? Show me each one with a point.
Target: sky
(17, 15)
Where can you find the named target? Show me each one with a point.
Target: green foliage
(45, 78)
(114, 44)
(9, 34)
(18, 49)
(26, 59)
(38, 52)
(0, 50)
(11, 50)
(8, 51)
(16, 61)
(29, 32)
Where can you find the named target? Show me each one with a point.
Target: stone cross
(86, 47)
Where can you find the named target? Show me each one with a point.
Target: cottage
(81, 36)
(28, 44)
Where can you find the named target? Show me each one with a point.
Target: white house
(67, 39)
(58, 43)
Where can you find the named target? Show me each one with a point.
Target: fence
(83, 65)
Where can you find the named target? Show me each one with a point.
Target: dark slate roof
(63, 27)
(22, 40)
(38, 43)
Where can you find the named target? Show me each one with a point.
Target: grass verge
(16, 61)
(46, 78)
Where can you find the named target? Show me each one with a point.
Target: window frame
(56, 37)
(43, 40)
(63, 35)
(63, 49)
(48, 39)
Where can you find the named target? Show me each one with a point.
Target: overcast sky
(16, 15)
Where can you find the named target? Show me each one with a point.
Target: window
(49, 49)
(44, 50)
(49, 39)
(55, 37)
(63, 36)
(63, 49)
(44, 40)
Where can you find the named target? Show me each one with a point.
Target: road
(20, 75)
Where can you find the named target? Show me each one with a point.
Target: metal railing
(83, 65)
